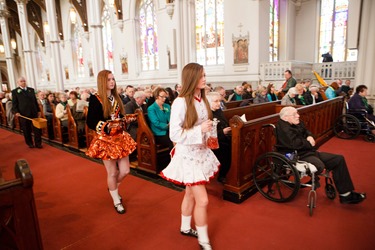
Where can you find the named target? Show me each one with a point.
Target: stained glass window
(333, 30)
(209, 31)
(148, 35)
(78, 50)
(107, 39)
(274, 30)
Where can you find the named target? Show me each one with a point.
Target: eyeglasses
(162, 96)
(295, 114)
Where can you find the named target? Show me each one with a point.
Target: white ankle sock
(115, 196)
(202, 234)
(345, 194)
(185, 222)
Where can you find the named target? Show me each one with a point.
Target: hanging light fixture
(111, 3)
(170, 8)
(73, 15)
(13, 43)
(46, 27)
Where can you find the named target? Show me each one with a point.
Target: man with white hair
(293, 137)
(24, 103)
(313, 96)
(138, 102)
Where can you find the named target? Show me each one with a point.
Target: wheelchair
(279, 178)
(350, 125)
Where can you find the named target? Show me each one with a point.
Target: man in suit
(138, 102)
(25, 103)
(129, 94)
(289, 81)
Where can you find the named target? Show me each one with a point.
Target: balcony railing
(274, 71)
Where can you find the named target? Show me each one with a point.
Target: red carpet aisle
(75, 210)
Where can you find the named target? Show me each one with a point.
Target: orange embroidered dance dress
(111, 141)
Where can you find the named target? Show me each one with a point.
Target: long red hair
(102, 80)
(191, 74)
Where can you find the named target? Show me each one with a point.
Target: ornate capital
(4, 13)
(22, 1)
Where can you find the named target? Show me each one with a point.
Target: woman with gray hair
(288, 99)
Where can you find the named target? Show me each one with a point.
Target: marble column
(365, 73)
(185, 39)
(57, 76)
(97, 36)
(27, 52)
(4, 14)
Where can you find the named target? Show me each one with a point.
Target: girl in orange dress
(111, 144)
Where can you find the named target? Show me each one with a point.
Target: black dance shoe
(120, 208)
(190, 232)
(353, 198)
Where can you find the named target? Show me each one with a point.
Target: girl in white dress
(192, 164)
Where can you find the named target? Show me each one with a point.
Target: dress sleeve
(177, 134)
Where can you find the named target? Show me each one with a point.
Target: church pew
(233, 104)
(253, 111)
(3, 117)
(251, 139)
(57, 128)
(19, 226)
(152, 158)
(89, 132)
(72, 130)
(44, 130)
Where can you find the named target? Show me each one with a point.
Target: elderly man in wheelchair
(293, 137)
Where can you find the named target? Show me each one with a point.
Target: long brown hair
(191, 74)
(102, 92)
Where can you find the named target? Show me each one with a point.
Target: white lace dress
(192, 162)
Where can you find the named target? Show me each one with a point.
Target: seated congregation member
(300, 98)
(137, 103)
(260, 95)
(331, 90)
(8, 110)
(247, 91)
(47, 109)
(313, 96)
(237, 94)
(170, 97)
(293, 137)
(129, 93)
(159, 114)
(224, 152)
(271, 93)
(290, 81)
(221, 91)
(359, 101)
(111, 143)
(61, 112)
(288, 99)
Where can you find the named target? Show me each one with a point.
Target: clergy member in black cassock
(25, 103)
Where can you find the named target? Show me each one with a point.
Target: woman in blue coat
(159, 114)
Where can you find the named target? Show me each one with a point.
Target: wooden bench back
(44, 130)
(253, 111)
(151, 157)
(72, 129)
(3, 117)
(20, 226)
(57, 131)
(233, 104)
(251, 139)
(89, 132)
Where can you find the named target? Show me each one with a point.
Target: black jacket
(24, 102)
(291, 138)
